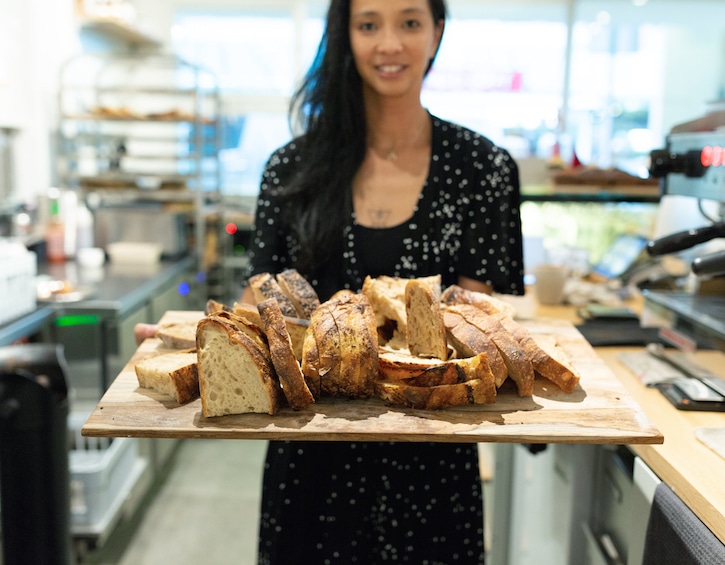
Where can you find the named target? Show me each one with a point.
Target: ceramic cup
(550, 283)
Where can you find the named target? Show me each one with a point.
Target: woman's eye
(411, 24)
(366, 26)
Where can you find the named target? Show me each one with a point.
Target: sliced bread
(476, 391)
(402, 367)
(455, 294)
(172, 374)
(264, 286)
(300, 292)
(426, 331)
(181, 335)
(285, 363)
(235, 375)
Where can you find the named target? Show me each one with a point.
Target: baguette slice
(181, 335)
(213, 306)
(476, 391)
(455, 294)
(300, 292)
(426, 331)
(519, 367)
(235, 375)
(264, 286)
(547, 358)
(468, 341)
(172, 374)
(403, 368)
(285, 363)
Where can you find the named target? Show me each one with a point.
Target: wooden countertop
(688, 466)
(598, 411)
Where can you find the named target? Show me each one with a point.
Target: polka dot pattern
(466, 222)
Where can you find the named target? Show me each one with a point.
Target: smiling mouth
(390, 69)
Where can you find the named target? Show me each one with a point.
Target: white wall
(36, 36)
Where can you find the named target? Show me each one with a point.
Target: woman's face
(392, 43)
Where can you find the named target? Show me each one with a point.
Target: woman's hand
(144, 331)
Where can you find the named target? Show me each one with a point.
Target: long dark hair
(328, 106)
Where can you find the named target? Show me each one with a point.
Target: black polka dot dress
(373, 502)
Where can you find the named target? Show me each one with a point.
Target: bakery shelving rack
(141, 128)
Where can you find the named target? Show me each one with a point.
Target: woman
(376, 185)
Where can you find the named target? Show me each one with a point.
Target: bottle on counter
(55, 235)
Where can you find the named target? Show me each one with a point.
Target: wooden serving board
(598, 411)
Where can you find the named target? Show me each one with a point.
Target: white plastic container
(18, 295)
(133, 253)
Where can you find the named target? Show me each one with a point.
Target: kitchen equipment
(693, 165)
(142, 224)
(17, 289)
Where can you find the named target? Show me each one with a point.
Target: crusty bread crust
(285, 363)
(214, 306)
(300, 292)
(519, 367)
(402, 367)
(311, 362)
(264, 286)
(426, 331)
(252, 331)
(468, 341)
(476, 391)
(235, 375)
(548, 359)
(172, 374)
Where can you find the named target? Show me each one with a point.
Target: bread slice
(387, 298)
(296, 327)
(252, 331)
(213, 306)
(235, 375)
(519, 367)
(172, 374)
(299, 291)
(468, 340)
(404, 368)
(264, 286)
(285, 363)
(310, 363)
(551, 361)
(359, 361)
(476, 391)
(455, 294)
(180, 335)
(426, 332)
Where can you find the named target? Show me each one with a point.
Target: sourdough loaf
(285, 363)
(235, 375)
(172, 374)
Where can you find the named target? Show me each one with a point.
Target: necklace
(392, 155)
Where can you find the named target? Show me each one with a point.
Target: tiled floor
(205, 511)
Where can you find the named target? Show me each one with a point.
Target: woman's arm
(473, 284)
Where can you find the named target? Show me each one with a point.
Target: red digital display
(712, 156)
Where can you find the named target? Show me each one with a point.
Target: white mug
(550, 283)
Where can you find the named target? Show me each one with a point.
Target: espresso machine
(693, 165)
